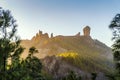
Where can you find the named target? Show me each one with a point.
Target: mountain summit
(56, 44)
(79, 53)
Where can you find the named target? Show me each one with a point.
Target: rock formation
(40, 32)
(39, 36)
(86, 31)
(45, 35)
(78, 34)
(51, 35)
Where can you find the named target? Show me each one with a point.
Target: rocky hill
(79, 53)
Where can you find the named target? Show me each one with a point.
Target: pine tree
(10, 50)
(115, 27)
(9, 42)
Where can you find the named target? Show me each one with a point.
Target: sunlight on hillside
(68, 54)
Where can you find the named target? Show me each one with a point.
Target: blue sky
(63, 17)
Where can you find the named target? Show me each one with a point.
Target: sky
(63, 17)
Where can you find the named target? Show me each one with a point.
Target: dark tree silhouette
(10, 50)
(94, 75)
(115, 27)
(72, 76)
(9, 42)
(32, 51)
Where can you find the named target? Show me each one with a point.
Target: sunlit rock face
(86, 31)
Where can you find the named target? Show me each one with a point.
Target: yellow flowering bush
(68, 54)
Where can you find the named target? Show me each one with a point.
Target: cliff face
(92, 55)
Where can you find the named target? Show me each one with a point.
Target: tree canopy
(115, 27)
(12, 67)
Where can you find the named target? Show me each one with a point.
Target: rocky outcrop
(45, 36)
(51, 35)
(39, 36)
(78, 34)
(40, 32)
(86, 31)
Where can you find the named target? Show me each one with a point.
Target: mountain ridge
(93, 55)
